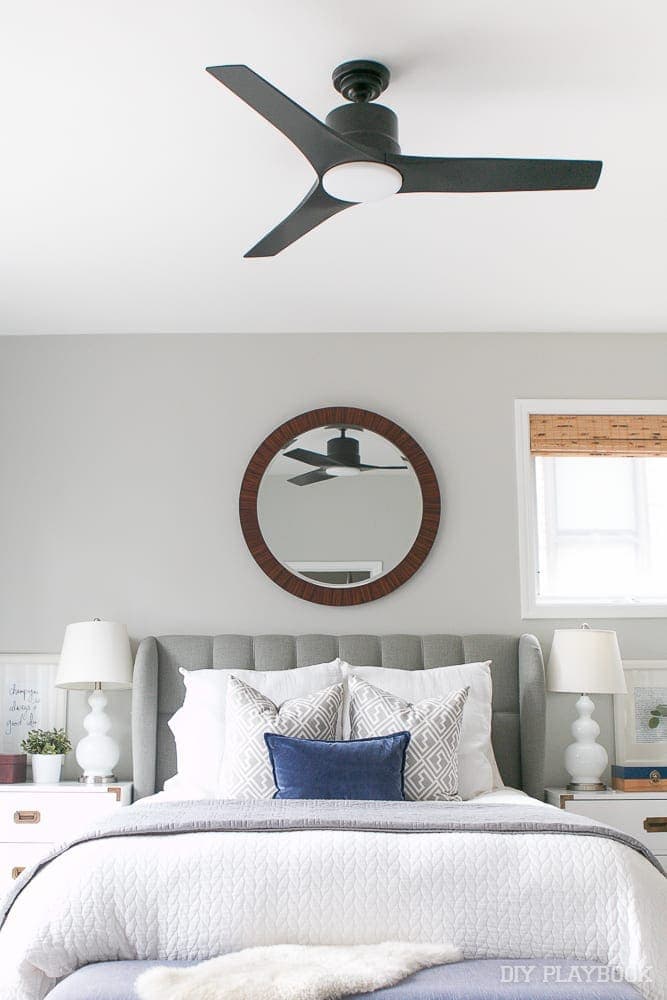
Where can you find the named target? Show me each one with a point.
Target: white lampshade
(95, 652)
(586, 660)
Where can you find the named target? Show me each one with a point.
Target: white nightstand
(643, 815)
(33, 818)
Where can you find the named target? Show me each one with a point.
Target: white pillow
(199, 725)
(478, 771)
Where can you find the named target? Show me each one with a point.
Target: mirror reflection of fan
(342, 459)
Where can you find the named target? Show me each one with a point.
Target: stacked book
(639, 779)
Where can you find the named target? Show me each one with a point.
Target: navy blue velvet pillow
(338, 769)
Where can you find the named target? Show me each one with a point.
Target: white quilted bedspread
(195, 896)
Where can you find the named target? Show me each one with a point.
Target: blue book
(644, 778)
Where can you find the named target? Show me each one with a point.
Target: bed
(504, 877)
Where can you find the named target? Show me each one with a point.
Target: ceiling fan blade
(461, 174)
(364, 468)
(310, 477)
(316, 207)
(311, 458)
(319, 144)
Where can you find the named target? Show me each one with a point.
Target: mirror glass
(339, 506)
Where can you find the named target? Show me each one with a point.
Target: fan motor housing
(371, 125)
(344, 449)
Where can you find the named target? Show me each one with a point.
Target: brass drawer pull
(17, 871)
(27, 816)
(655, 824)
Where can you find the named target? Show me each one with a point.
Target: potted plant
(48, 748)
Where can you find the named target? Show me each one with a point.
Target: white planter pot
(46, 768)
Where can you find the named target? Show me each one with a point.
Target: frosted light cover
(361, 181)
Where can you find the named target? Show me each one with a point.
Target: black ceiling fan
(357, 158)
(342, 459)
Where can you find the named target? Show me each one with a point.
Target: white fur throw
(295, 972)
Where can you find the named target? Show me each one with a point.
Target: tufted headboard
(517, 671)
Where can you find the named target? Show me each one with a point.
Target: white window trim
(531, 607)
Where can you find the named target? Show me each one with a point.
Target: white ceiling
(132, 182)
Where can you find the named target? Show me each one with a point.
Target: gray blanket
(287, 815)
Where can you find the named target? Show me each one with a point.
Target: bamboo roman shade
(598, 434)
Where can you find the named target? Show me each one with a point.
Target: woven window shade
(598, 434)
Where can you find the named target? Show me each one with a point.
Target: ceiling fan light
(342, 470)
(360, 181)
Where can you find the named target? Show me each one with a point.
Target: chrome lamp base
(587, 786)
(97, 779)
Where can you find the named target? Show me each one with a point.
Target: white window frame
(531, 606)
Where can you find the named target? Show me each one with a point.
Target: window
(593, 507)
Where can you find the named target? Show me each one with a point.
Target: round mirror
(339, 506)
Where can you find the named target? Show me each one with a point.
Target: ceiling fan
(357, 158)
(342, 459)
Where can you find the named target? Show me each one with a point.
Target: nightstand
(34, 818)
(643, 815)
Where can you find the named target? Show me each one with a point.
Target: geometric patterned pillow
(431, 760)
(246, 772)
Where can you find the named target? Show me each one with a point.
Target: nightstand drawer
(38, 817)
(643, 819)
(15, 857)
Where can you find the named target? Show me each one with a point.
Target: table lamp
(586, 660)
(94, 654)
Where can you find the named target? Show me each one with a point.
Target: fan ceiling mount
(356, 155)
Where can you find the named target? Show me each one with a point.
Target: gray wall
(121, 459)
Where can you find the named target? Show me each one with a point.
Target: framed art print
(640, 716)
(29, 698)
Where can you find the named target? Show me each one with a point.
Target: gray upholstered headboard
(517, 671)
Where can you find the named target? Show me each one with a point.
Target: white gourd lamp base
(586, 759)
(97, 753)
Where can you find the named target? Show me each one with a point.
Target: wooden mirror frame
(276, 442)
